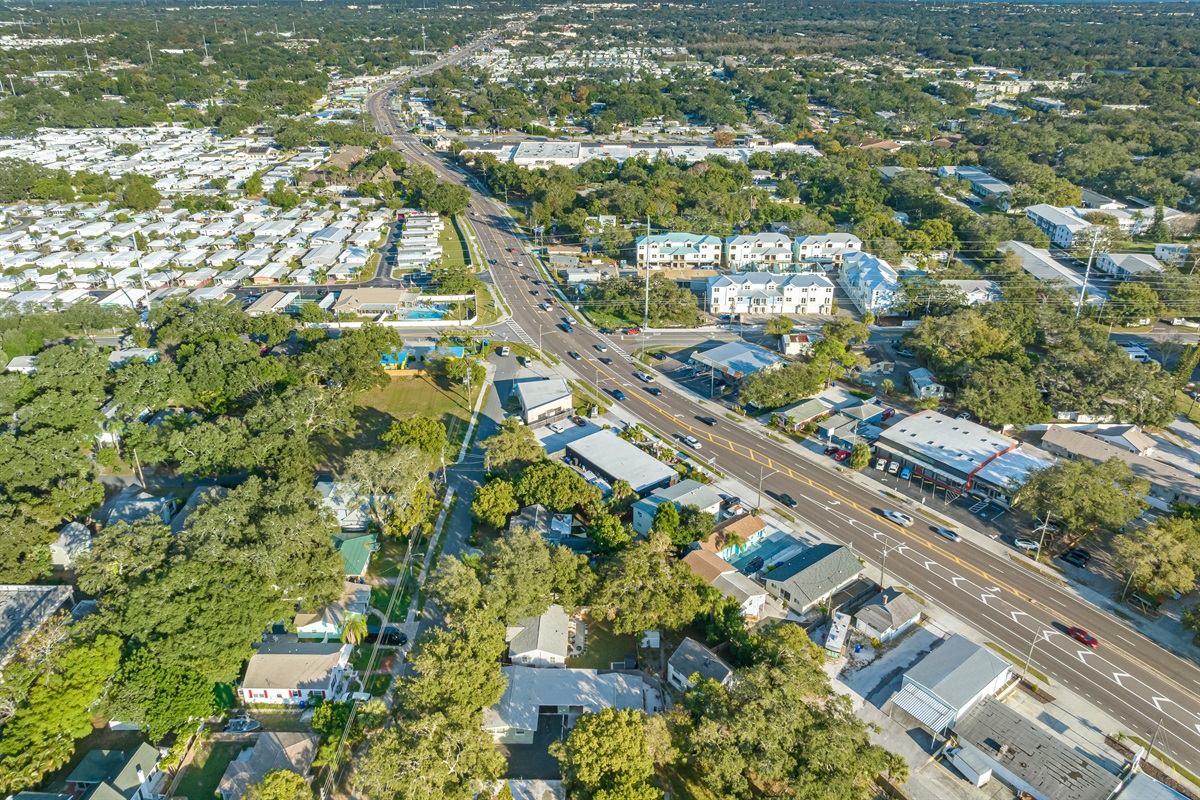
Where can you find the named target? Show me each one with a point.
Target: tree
(607, 754)
(778, 326)
(666, 520)
(158, 699)
(571, 576)
(1160, 558)
(25, 556)
(643, 587)
(744, 736)
(511, 449)
(1084, 495)
(354, 628)
(494, 502)
(515, 567)
(466, 371)
(424, 433)
(608, 534)
(456, 586)
(457, 669)
(887, 386)
(41, 734)
(1132, 301)
(1001, 394)
(392, 485)
(860, 456)
(280, 784)
(556, 486)
(954, 344)
(1188, 360)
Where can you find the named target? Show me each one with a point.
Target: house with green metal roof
(117, 775)
(356, 550)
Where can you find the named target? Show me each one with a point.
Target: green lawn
(603, 647)
(1187, 406)
(454, 246)
(200, 779)
(404, 396)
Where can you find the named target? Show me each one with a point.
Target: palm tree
(354, 628)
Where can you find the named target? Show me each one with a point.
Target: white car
(692, 442)
(555, 427)
(504, 351)
(903, 520)
(1028, 545)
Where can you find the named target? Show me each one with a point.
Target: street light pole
(1029, 657)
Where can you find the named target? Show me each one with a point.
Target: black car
(708, 420)
(755, 564)
(788, 500)
(654, 390)
(388, 637)
(659, 356)
(1076, 557)
(831, 450)
(606, 361)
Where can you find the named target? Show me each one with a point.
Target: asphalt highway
(1129, 676)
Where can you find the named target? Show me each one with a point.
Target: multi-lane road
(1129, 676)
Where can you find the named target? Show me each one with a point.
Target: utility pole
(151, 52)
(1029, 657)
(1042, 538)
(1088, 271)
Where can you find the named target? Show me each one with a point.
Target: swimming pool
(419, 313)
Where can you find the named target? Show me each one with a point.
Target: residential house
(692, 662)
(762, 293)
(272, 752)
(25, 608)
(292, 674)
(544, 400)
(1172, 253)
(349, 511)
(871, 283)
(678, 250)
(356, 549)
(123, 356)
(530, 693)
(798, 344)
(685, 493)
(540, 641)
(556, 529)
(947, 683)
(732, 537)
(132, 504)
(74, 539)
(272, 302)
(117, 775)
(327, 624)
(887, 615)
(826, 248)
(809, 579)
(974, 292)
(923, 384)
(1044, 267)
(724, 577)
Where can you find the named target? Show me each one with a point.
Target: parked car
(888, 414)
(1080, 635)
(831, 450)
(692, 442)
(949, 534)
(556, 427)
(1074, 558)
(755, 564)
(898, 517)
(578, 420)
(906, 473)
(880, 464)
(659, 356)
(893, 468)
(504, 351)
(905, 353)
(964, 415)
(1027, 545)
(841, 455)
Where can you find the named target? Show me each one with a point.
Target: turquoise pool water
(418, 313)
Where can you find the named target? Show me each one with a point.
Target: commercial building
(614, 459)
(736, 361)
(992, 740)
(948, 682)
(763, 293)
(544, 400)
(562, 694)
(677, 250)
(960, 455)
(685, 493)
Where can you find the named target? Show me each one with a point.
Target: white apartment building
(871, 282)
(768, 293)
(1062, 225)
(826, 247)
(678, 251)
(1128, 265)
(758, 250)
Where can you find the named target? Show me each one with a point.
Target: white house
(1171, 253)
(887, 615)
(1128, 265)
(871, 282)
(530, 692)
(722, 576)
(677, 250)
(692, 662)
(768, 293)
(289, 674)
(758, 251)
(685, 493)
(74, 539)
(540, 641)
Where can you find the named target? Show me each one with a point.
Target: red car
(633, 331)
(841, 455)
(1080, 635)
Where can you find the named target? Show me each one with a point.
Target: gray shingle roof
(691, 657)
(815, 573)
